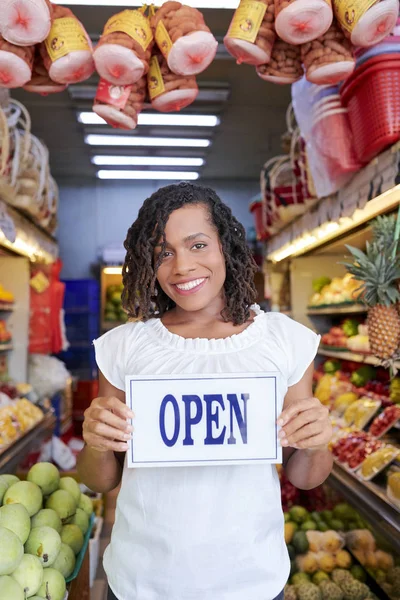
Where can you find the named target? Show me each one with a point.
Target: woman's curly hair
(143, 297)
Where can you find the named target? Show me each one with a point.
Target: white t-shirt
(201, 533)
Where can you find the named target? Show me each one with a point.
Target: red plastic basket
(372, 96)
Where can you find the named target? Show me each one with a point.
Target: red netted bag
(168, 91)
(120, 105)
(41, 82)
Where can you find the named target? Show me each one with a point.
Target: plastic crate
(82, 296)
(82, 328)
(81, 363)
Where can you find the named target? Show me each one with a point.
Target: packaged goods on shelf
(16, 418)
(335, 291)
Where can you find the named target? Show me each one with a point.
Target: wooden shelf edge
(337, 310)
(353, 357)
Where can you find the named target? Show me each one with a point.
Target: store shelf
(12, 456)
(353, 357)
(340, 309)
(371, 501)
(7, 308)
(6, 347)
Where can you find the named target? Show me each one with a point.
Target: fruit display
(113, 311)
(16, 418)
(40, 533)
(385, 421)
(352, 449)
(378, 460)
(393, 487)
(340, 290)
(350, 335)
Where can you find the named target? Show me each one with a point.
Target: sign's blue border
(178, 462)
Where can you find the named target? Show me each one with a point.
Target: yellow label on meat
(247, 20)
(155, 79)
(349, 12)
(134, 24)
(66, 35)
(163, 40)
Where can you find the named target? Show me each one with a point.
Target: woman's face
(192, 272)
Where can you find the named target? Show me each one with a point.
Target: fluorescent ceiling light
(90, 118)
(127, 140)
(232, 4)
(159, 175)
(147, 161)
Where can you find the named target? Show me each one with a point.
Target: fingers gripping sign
(106, 425)
(305, 424)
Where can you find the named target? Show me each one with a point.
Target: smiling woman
(216, 530)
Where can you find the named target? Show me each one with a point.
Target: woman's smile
(190, 287)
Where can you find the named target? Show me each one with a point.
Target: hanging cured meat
(25, 22)
(285, 64)
(301, 21)
(15, 64)
(366, 23)
(329, 59)
(122, 56)
(67, 51)
(40, 82)
(168, 91)
(120, 105)
(184, 38)
(251, 34)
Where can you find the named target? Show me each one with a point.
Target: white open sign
(192, 420)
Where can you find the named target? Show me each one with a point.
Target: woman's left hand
(305, 424)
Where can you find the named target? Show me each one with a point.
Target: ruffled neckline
(237, 341)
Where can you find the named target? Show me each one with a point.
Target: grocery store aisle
(99, 589)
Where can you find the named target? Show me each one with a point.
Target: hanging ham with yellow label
(120, 105)
(366, 22)
(301, 21)
(25, 22)
(168, 91)
(123, 53)
(67, 51)
(329, 59)
(251, 34)
(284, 66)
(41, 82)
(184, 38)
(15, 64)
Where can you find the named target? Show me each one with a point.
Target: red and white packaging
(385, 421)
(329, 59)
(123, 53)
(40, 82)
(284, 66)
(67, 51)
(15, 64)
(366, 23)
(183, 38)
(25, 22)
(168, 91)
(251, 34)
(301, 21)
(120, 105)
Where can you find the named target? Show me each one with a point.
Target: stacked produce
(123, 53)
(183, 38)
(336, 291)
(43, 521)
(113, 310)
(120, 106)
(349, 335)
(16, 418)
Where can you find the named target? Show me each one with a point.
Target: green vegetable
(331, 366)
(319, 283)
(361, 377)
(300, 542)
(350, 327)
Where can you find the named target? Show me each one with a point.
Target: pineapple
(383, 233)
(379, 273)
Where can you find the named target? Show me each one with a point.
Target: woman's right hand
(105, 425)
